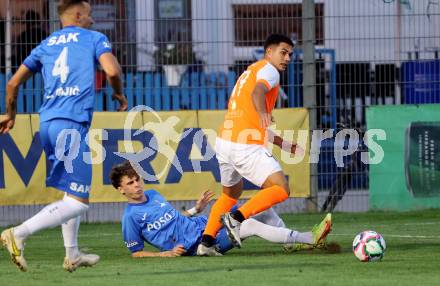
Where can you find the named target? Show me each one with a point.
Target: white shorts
(252, 162)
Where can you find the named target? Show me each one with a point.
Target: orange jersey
(242, 122)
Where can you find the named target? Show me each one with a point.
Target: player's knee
(234, 191)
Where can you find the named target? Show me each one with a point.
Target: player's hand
(123, 103)
(176, 251)
(265, 120)
(204, 200)
(6, 124)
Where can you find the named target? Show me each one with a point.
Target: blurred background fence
(187, 54)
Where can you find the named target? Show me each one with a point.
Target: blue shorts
(222, 240)
(68, 173)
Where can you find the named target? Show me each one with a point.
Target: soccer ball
(369, 246)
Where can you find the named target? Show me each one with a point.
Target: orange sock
(223, 204)
(263, 200)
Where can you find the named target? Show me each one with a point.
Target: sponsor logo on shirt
(159, 223)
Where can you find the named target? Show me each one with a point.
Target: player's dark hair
(276, 39)
(66, 4)
(121, 170)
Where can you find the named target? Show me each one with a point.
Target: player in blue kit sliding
(67, 60)
(149, 218)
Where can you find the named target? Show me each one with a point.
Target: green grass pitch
(412, 257)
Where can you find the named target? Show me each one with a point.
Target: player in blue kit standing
(149, 218)
(67, 60)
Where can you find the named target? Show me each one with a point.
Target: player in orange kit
(241, 152)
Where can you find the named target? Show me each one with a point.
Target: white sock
(70, 235)
(252, 227)
(50, 216)
(304, 237)
(270, 217)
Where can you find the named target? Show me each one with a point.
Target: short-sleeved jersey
(158, 223)
(242, 122)
(67, 60)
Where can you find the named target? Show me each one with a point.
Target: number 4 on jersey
(240, 82)
(61, 68)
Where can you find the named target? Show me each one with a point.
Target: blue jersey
(67, 60)
(158, 223)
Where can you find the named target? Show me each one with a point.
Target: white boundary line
(332, 234)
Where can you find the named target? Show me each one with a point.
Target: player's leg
(260, 168)
(74, 258)
(275, 189)
(75, 182)
(70, 230)
(49, 217)
(232, 189)
(270, 217)
(53, 214)
(224, 203)
(251, 227)
(319, 235)
(81, 176)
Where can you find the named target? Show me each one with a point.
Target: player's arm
(22, 74)
(201, 204)
(287, 146)
(176, 251)
(259, 100)
(112, 69)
